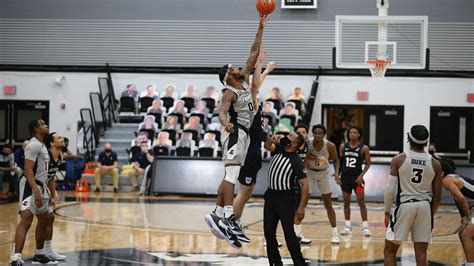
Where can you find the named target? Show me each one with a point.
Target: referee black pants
(280, 206)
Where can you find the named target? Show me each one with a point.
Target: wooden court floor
(127, 229)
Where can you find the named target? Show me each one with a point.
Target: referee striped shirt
(284, 169)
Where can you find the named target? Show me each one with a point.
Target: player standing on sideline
(462, 190)
(54, 142)
(253, 160)
(34, 194)
(320, 151)
(302, 151)
(236, 116)
(416, 174)
(353, 154)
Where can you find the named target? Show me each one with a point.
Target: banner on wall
(301, 4)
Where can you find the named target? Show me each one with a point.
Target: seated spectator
(172, 123)
(215, 124)
(19, 156)
(268, 110)
(211, 93)
(142, 137)
(179, 108)
(200, 108)
(194, 123)
(190, 92)
(149, 125)
(163, 140)
(297, 94)
(150, 91)
(157, 107)
(210, 141)
(187, 141)
(276, 97)
(7, 168)
(140, 161)
(289, 110)
(170, 92)
(107, 165)
(130, 91)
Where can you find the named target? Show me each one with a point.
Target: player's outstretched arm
(227, 99)
(255, 50)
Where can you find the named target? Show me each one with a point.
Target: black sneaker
(43, 259)
(97, 189)
(115, 190)
(231, 238)
(212, 221)
(236, 229)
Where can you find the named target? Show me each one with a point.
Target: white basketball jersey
(416, 176)
(322, 155)
(242, 110)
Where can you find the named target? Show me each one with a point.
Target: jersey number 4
(417, 175)
(350, 162)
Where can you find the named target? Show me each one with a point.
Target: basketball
(265, 7)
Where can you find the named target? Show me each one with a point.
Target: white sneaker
(366, 232)
(304, 240)
(16, 260)
(335, 238)
(53, 255)
(346, 231)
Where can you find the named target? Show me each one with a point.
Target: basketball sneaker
(15, 260)
(53, 255)
(212, 221)
(303, 240)
(226, 226)
(366, 232)
(43, 259)
(346, 231)
(335, 238)
(236, 229)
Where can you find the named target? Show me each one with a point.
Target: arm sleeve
(390, 191)
(32, 151)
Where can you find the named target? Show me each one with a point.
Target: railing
(108, 101)
(98, 113)
(89, 140)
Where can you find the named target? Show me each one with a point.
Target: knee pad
(232, 173)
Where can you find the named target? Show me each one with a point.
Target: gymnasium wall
(417, 95)
(207, 33)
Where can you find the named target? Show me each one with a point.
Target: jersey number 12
(350, 162)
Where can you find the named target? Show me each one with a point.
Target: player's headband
(226, 76)
(418, 141)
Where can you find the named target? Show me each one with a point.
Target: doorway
(15, 116)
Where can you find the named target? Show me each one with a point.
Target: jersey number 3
(417, 175)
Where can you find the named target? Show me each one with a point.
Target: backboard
(399, 39)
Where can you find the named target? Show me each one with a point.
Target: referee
(280, 200)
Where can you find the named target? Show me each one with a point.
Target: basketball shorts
(320, 178)
(234, 146)
(349, 184)
(253, 163)
(27, 199)
(414, 217)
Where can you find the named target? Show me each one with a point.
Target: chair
(127, 104)
(150, 132)
(210, 104)
(271, 120)
(172, 135)
(195, 134)
(206, 152)
(298, 105)
(161, 151)
(145, 102)
(218, 135)
(183, 151)
(292, 119)
(157, 118)
(189, 102)
(167, 102)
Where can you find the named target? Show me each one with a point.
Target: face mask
(285, 141)
(108, 151)
(431, 152)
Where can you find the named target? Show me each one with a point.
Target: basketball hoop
(378, 67)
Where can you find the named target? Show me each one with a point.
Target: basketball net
(378, 67)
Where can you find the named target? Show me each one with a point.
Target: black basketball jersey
(256, 129)
(303, 151)
(468, 189)
(54, 166)
(351, 160)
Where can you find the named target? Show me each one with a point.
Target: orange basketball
(265, 7)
